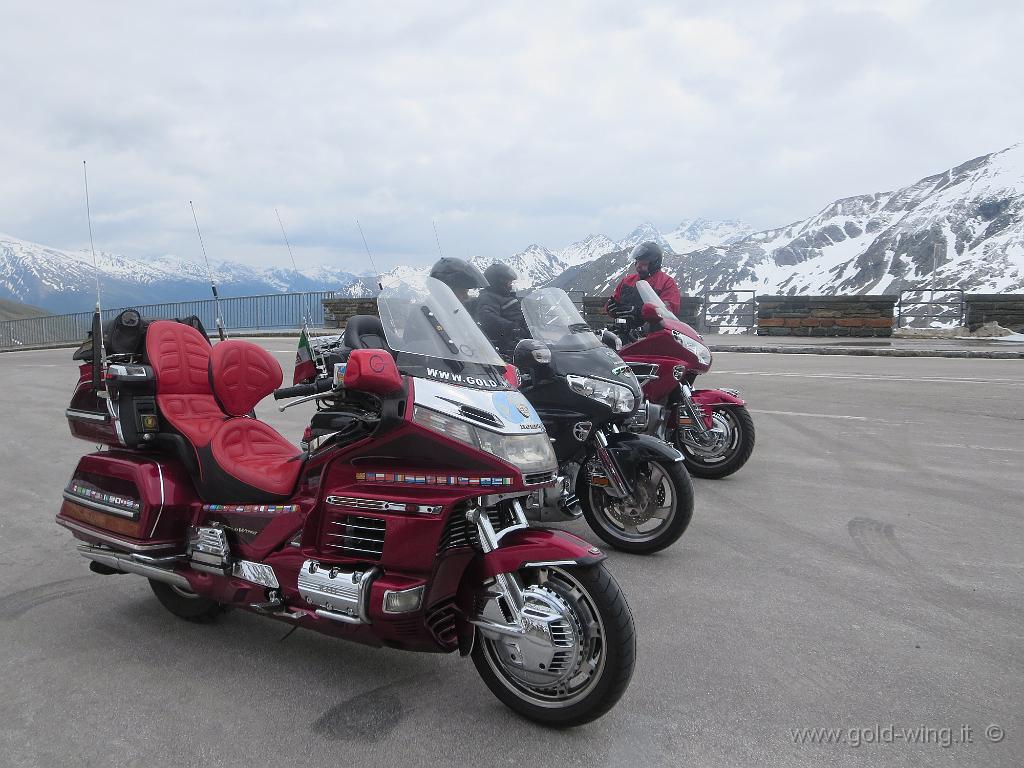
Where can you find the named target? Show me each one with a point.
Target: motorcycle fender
(712, 397)
(537, 546)
(630, 450)
(518, 549)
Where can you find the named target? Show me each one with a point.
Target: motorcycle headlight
(617, 397)
(530, 453)
(703, 353)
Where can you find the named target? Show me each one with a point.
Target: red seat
(180, 356)
(258, 455)
(206, 395)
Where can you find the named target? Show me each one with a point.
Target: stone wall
(1006, 309)
(338, 311)
(826, 315)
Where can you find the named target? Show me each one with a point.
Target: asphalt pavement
(863, 573)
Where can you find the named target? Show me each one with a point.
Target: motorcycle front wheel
(655, 517)
(590, 629)
(729, 453)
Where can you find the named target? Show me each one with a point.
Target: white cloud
(506, 123)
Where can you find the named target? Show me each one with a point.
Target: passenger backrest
(180, 357)
(364, 332)
(242, 375)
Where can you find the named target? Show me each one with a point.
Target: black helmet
(456, 273)
(649, 252)
(500, 275)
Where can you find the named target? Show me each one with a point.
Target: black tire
(736, 453)
(595, 502)
(186, 605)
(617, 648)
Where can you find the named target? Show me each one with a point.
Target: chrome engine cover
(336, 590)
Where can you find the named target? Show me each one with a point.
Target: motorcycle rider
(462, 277)
(498, 311)
(626, 302)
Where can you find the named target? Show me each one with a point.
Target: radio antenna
(209, 272)
(97, 318)
(437, 239)
(380, 285)
(305, 304)
(306, 315)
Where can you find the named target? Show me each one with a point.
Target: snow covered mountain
(962, 228)
(63, 281)
(695, 234)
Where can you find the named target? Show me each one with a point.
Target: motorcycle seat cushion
(257, 455)
(242, 375)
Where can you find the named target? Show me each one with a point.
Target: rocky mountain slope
(961, 228)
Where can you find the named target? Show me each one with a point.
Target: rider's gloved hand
(623, 310)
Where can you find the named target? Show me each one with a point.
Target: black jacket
(501, 318)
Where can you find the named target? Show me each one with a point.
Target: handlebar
(299, 390)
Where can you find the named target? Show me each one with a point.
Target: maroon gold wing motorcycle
(403, 527)
(711, 427)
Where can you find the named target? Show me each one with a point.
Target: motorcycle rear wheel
(739, 444)
(186, 605)
(605, 660)
(659, 524)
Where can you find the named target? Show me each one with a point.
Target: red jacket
(662, 283)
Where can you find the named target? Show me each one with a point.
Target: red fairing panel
(243, 374)
(538, 546)
(258, 455)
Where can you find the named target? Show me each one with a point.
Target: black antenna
(373, 266)
(209, 272)
(306, 315)
(438, 239)
(97, 318)
(305, 304)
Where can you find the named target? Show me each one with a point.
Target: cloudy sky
(507, 124)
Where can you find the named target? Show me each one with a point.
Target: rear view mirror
(649, 312)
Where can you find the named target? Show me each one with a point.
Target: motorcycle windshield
(649, 296)
(553, 318)
(429, 320)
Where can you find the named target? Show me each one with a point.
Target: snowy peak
(587, 249)
(698, 234)
(646, 232)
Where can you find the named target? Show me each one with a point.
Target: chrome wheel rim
(633, 520)
(723, 449)
(589, 659)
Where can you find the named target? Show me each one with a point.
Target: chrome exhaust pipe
(126, 563)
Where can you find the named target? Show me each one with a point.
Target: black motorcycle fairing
(597, 362)
(630, 450)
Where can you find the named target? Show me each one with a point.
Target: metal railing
(737, 313)
(950, 311)
(275, 310)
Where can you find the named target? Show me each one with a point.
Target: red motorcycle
(403, 527)
(711, 427)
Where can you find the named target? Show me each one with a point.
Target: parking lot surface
(863, 574)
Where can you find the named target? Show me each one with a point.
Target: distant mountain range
(963, 228)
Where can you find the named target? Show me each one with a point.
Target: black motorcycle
(633, 489)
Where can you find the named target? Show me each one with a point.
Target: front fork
(507, 585)
(690, 417)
